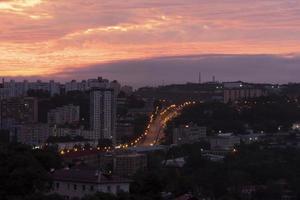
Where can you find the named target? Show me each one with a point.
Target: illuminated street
(155, 131)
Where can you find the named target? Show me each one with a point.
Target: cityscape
(149, 100)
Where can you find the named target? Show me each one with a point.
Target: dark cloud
(253, 68)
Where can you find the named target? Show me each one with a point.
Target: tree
(21, 173)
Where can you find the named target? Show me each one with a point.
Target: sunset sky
(64, 38)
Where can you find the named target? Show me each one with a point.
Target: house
(76, 183)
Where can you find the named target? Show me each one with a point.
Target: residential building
(33, 134)
(86, 157)
(234, 91)
(253, 137)
(213, 157)
(14, 88)
(124, 164)
(128, 164)
(54, 88)
(124, 130)
(188, 134)
(86, 85)
(116, 86)
(103, 113)
(62, 143)
(176, 162)
(76, 183)
(20, 89)
(225, 141)
(18, 110)
(64, 115)
(128, 90)
(72, 86)
(56, 131)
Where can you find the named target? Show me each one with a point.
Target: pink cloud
(46, 36)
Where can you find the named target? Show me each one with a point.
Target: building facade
(13, 88)
(225, 141)
(128, 164)
(33, 134)
(103, 113)
(188, 134)
(77, 183)
(234, 91)
(64, 115)
(18, 110)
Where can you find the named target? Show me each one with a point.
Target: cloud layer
(182, 69)
(43, 37)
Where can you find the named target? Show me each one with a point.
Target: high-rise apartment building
(103, 113)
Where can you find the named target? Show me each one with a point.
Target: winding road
(155, 131)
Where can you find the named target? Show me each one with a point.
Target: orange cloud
(41, 37)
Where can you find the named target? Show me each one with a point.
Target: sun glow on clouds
(18, 5)
(42, 37)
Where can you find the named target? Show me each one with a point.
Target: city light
(165, 115)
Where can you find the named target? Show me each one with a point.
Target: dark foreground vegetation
(271, 173)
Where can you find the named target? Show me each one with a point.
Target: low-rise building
(253, 137)
(214, 157)
(177, 162)
(188, 134)
(234, 91)
(76, 183)
(123, 164)
(87, 157)
(63, 132)
(64, 143)
(129, 164)
(120, 163)
(73, 132)
(32, 134)
(124, 131)
(225, 141)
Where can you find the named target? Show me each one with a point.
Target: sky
(151, 41)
